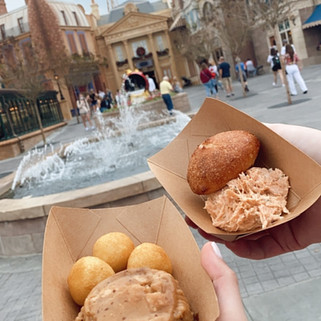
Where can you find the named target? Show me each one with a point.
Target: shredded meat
(255, 199)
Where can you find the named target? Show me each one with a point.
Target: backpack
(276, 63)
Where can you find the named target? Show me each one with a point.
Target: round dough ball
(219, 159)
(150, 255)
(85, 274)
(114, 248)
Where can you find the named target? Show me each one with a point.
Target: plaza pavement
(286, 287)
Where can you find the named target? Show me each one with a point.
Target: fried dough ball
(150, 255)
(114, 248)
(85, 274)
(219, 159)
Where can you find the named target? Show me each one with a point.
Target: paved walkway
(286, 287)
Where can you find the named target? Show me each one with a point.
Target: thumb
(225, 284)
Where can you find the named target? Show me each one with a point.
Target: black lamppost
(60, 92)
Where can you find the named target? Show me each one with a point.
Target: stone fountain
(121, 179)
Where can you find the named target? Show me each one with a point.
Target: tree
(25, 74)
(195, 46)
(233, 27)
(232, 24)
(46, 37)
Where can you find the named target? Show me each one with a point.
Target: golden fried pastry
(85, 274)
(114, 248)
(150, 255)
(137, 294)
(221, 158)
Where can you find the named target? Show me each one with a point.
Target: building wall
(304, 40)
(78, 37)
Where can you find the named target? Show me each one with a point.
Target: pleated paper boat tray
(170, 164)
(71, 233)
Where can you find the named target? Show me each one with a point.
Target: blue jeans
(210, 88)
(168, 101)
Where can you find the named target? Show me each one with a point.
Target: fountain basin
(15, 146)
(23, 221)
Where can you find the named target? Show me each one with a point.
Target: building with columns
(135, 36)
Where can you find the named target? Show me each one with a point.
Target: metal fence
(18, 114)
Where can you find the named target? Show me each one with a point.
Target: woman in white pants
(293, 71)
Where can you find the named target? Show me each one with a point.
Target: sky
(14, 4)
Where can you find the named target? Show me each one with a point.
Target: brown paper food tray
(170, 164)
(71, 233)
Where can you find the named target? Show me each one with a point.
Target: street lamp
(60, 92)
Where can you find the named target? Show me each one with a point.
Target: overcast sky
(14, 4)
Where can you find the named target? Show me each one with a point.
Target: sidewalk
(286, 287)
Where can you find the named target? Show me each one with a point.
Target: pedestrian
(176, 85)
(151, 86)
(84, 111)
(101, 94)
(284, 43)
(215, 74)
(250, 68)
(93, 101)
(103, 104)
(291, 60)
(118, 98)
(166, 88)
(274, 60)
(109, 99)
(207, 80)
(240, 70)
(225, 75)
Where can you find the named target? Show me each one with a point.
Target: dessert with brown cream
(137, 294)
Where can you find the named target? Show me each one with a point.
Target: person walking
(250, 68)
(84, 111)
(291, 60)
(224, 70)
(151, 86)
(207, 80)
(284, 44)
(176, 85)
(274, 60)
(240, 69)
(93, 101)
(166, 88)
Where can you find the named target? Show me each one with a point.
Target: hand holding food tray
(170, 165)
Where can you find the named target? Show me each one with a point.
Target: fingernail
(216, 250)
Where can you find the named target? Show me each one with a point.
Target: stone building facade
(139, 40)
(304, 36)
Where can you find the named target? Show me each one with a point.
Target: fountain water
(117, 149)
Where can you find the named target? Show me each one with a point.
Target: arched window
(208, 12)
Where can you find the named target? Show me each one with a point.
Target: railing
(18, 114)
